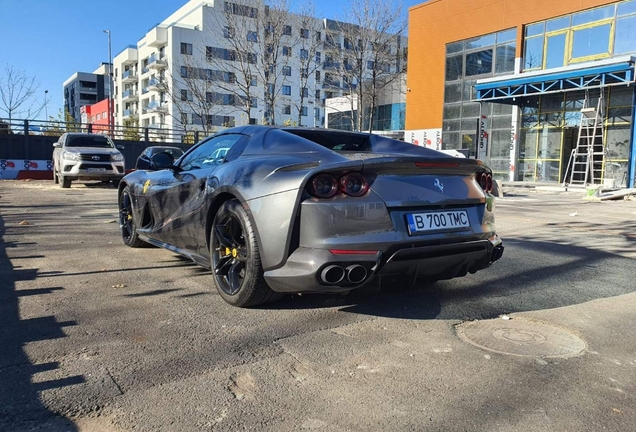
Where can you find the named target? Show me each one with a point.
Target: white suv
(83, 156)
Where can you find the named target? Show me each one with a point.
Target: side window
(209, 153)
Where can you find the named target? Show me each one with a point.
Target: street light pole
(46, 108)
(110, 86)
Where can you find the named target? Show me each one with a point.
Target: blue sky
(52, 39)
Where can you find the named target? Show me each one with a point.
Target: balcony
(127, 56)
(156, 85)
(129, 95)
(144, 70)
(130, 113)
(157, 37)
(156, 63)
(145, 90)
(157, 106)
(129, 76)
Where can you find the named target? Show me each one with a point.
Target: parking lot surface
(95, 336)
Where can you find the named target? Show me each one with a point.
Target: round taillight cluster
(485, 181)
(327, 186)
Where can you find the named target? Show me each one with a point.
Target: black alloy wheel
(235, 258)
(230, 257)
(127, 221)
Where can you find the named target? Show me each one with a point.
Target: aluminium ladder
(587, 160)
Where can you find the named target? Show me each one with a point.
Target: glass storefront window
(479, 63)
(555, 51)
(451, 140)
(533, 53)
(526, 169)
(592, 15)
(621, 97)
(469, 124)
(453, 93)
(625, 37)
(535, 29)
(557, 24)
(451, 125)
(618, 141)
(500, 145)
(505, 60)
(454, 67)
(549, 144)
(470, 110)
(454, 47)
(528, 144)
(480, 42)
(452, 111)
(626, 8)
(507, 36)
(592, 41)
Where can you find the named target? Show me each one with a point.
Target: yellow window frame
(546, 36)
(610, 46)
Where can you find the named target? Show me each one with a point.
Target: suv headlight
(71, 156)
(117, 157)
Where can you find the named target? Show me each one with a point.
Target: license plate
(95, 169)
(437, 221)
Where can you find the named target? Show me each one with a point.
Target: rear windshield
(174, 152)
(89, 141)
(335, 140)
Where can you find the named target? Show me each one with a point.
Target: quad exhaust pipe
(334, 274)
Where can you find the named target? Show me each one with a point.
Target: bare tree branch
(17, 94)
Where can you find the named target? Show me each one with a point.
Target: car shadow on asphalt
(21, 407)
(531, 276)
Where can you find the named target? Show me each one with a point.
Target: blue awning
(510, 88)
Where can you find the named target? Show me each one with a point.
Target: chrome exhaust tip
(332, 274)
(356, 274)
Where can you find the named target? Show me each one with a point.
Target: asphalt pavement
(95, 336)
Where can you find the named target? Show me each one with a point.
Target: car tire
(65, 182)
(127, 221)
(235, 258)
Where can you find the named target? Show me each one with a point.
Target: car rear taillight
(485, 181)
(327, 186)
(323, 186)
(354, 184)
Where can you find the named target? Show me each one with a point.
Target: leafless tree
(370, 59)
(192, 88)
(18, 94)
(306, 44)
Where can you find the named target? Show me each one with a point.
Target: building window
(185, 95)
(318, 36)
(304, 54)
(252, 36)
(184, 72)
(303, 111)
(304, 33)
(253, 81)
(370, 64)
(287, 30)
(228, 32)
(287, 70)
(186, 48)
(286, 90)
(317, 76)
(318, 57)
(252, 121)
(253, 103)
(348, 44)
(242, 10)
(304, 92)
(317, 95)
(286, 109)
(287, 51)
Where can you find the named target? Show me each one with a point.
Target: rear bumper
(305, 269)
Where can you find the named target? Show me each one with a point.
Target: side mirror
(57, 144)
(161, 161)
(120, 147)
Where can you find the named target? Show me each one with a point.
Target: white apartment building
(150, 78)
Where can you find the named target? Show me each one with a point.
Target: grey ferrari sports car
(274, 210)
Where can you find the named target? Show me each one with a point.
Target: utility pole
(110, 86)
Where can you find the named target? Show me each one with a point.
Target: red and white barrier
(19, 169)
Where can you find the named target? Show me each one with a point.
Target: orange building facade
(505, 81)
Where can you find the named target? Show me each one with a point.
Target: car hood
(92, 150)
